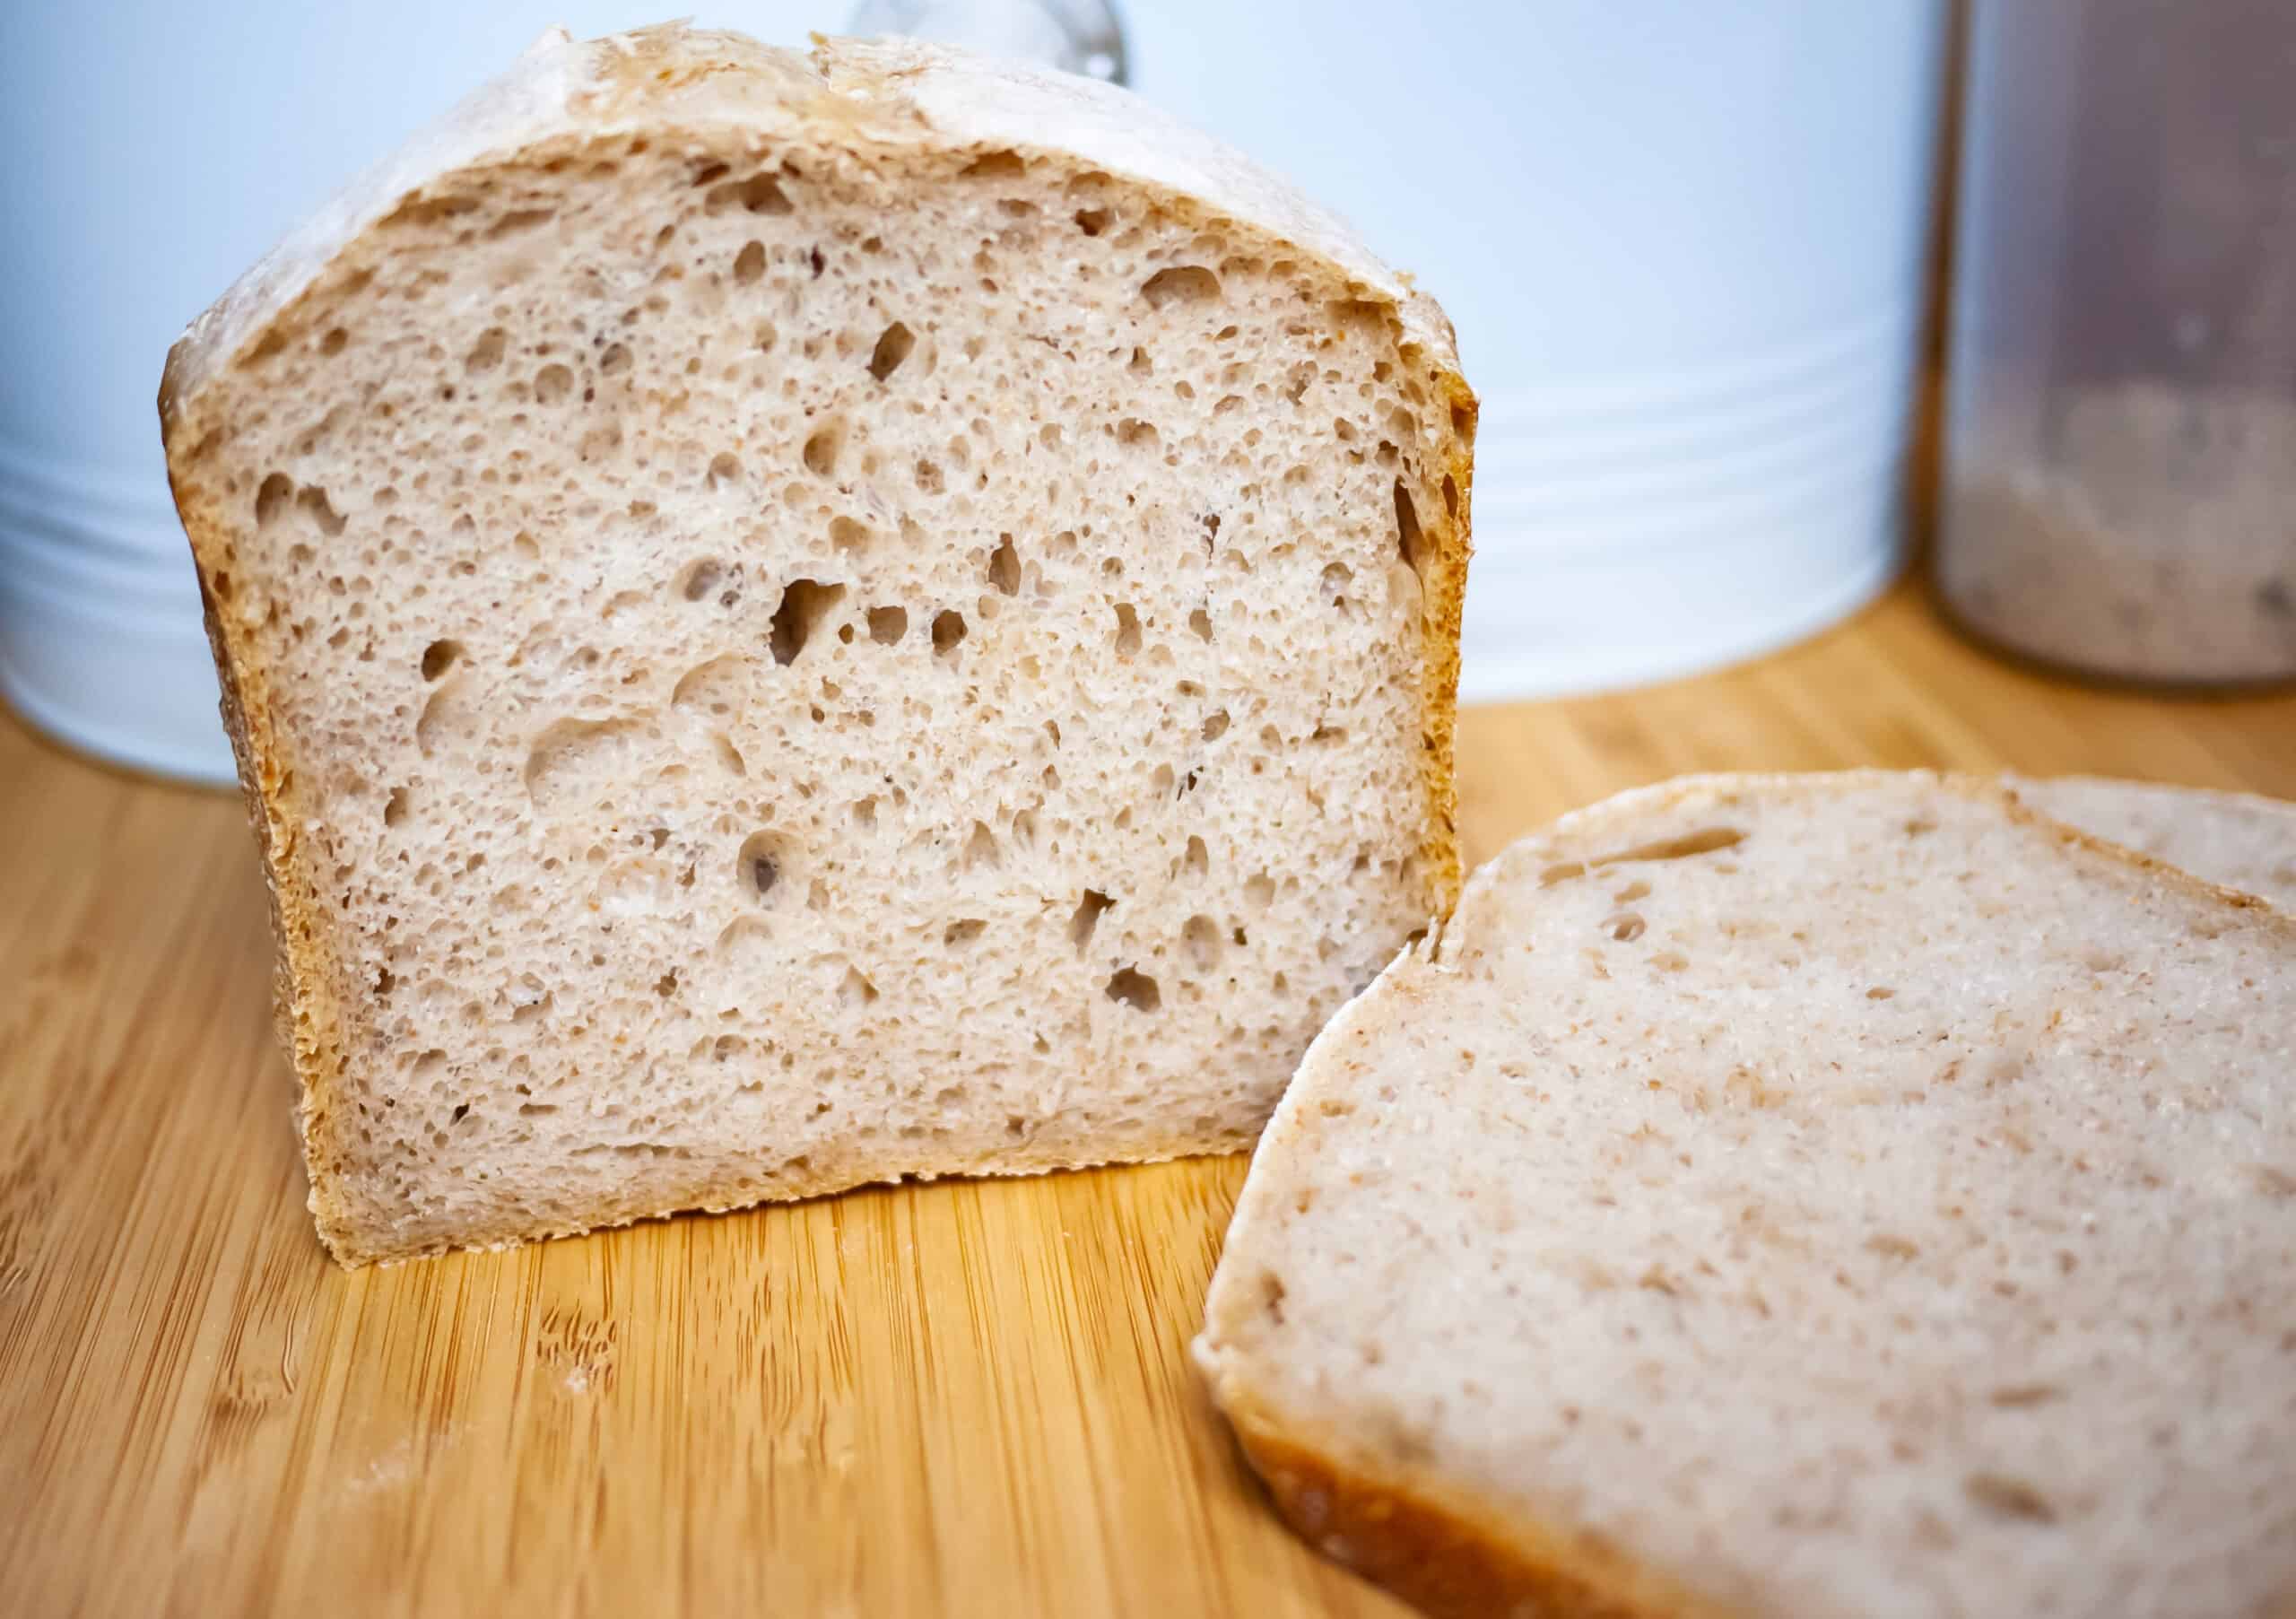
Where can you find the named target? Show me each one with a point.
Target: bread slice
(2240, 840)
(1828, 1195)
(794, 621)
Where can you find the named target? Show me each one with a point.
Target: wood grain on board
(962, 1397)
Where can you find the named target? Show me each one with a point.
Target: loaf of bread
(2241, 840)
(792, 620)
(1792, 1196)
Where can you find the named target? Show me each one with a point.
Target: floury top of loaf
(791, 621)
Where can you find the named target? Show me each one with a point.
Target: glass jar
(2120, 442)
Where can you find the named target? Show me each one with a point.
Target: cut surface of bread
(2241, 840)
(795, 621)
(1831, 1194)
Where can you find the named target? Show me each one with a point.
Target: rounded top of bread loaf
(892, 94)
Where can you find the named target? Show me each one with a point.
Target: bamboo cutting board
(963, 1398)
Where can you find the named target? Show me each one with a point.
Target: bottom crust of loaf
(1442, 1557)
(354, 1244)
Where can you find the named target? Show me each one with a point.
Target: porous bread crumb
(791, 656)
(1922, 1242)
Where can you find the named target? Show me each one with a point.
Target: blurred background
(1692, 252)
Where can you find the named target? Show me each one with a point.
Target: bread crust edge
(1439, 1557)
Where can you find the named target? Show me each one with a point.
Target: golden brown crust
(1444, 603)
(306, 1013)
(1441, 1559)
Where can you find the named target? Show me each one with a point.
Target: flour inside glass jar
(2153, 537)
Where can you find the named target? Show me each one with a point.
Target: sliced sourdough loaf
(794, 621)
(2240, 840)
(1795, 1196)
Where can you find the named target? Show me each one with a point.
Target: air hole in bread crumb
(1270, 1294)
(856, 990)
(1180, 284)
(1200, 622)
(447, 718)
(1092, 221)
(893, 346)
(761, 194)
(1625, 927)
(1128, 630)
(312, 501)
(1086, 918)
(1201, 938)
(929, 478)
(822, 448)
(887, 625)
(980, 847)
(574, 758)
(1706, 840)
(1004, 566)
(273, 499)
(1196, 861)
(2010, 1498)
(1408, 537)
(847, 534)
(439, 656)
(762, 864)
(701, 578)
(1135, 989)
(486, 353)
(1877, 993)
(804, 604)
(1135, 434)
(948, 631)
(724, 468)
(958, 934)
(1215, 725)
(395, 807)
